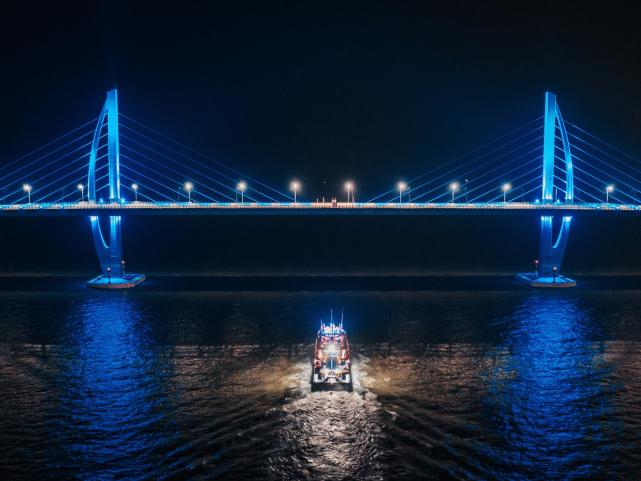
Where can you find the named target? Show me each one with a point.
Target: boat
(331, 369)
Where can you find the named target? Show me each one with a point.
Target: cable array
(161, 165)
(153, 167)
(158, 169)
(506, 167)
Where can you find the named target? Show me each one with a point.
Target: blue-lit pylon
(551, 250)
(109, 255)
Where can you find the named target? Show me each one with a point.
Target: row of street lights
(296, 185)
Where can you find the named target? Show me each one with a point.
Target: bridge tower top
(553, 118)
(109, 113)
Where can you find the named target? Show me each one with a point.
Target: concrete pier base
(556, 282)
(125, 282)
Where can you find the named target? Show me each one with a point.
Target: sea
(464, 379)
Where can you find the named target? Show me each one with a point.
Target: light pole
(122, 264)
(294, 186)
(134, 187)
(108, 275)
(608, 190)
(506, 188)
(81, 188)
(349, 187)
(454, 188)
(241, 187)
(402, 187)
(188, 187)
(27, 189)
(536, 266)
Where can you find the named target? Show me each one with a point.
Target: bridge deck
(310, 209)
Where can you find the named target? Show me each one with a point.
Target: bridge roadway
(311, 209)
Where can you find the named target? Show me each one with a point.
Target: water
(150, 384)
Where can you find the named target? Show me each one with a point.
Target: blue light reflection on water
(112, 421)
(200, 385)
(545, 398)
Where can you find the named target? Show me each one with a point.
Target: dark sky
(374, 91)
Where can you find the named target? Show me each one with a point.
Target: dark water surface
(452, 384)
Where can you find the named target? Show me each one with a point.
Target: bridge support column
(109, 255)
(551, 251)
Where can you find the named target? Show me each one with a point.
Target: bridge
(113, 166)
(137, 208)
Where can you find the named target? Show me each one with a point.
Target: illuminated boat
(331, 368)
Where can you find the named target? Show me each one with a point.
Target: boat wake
(329, 434)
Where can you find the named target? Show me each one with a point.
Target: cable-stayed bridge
(114, 165)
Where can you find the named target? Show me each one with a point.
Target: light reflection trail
(328, 434)
(546, 398)
(112, 416)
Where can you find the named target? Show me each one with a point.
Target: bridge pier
(109, 255)
(551, 252)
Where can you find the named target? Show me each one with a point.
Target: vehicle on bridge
(331, 369)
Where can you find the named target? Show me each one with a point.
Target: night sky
(324, 91)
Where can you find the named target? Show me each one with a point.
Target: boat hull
(331, 384)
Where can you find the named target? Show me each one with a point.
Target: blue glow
(551, 251)
(109, 254)
(542, 390)
(108, 376)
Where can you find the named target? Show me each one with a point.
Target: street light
(454, 186)
(349, 187)
(188, 187)
(402, 187)
(608, 190)
(241, 187)
(81, 188)
(27, 189)
(294, 186)
(134, 187)
(506, 188)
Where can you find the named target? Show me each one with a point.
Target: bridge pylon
(109, 254)
(551, 250)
